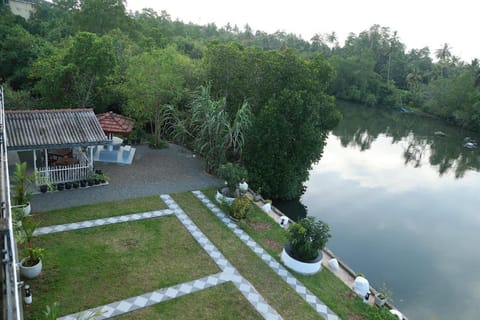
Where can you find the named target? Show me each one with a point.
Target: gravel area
(169, 170)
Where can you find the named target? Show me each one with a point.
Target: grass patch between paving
(276, 292)
(92, 267)
(101, 210)
(220, 302)
(325, 285)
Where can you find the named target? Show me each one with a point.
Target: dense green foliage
(269, 103)
(307, 236)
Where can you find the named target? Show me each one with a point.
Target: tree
(443, 55)
(72, 75)
(101, 16)
(155, 80)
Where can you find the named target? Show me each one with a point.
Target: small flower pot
(43, 188)
(60, 186)
(380, 299)
(30, 272)
(76, 184)
(68, 185)
(83, 183)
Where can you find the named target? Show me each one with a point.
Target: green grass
(102, 210)
(91, 267)
(96, 266)
(276, 292)
(220, 302)
(325, 285)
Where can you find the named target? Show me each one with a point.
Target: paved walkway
(228, 273)
(153, 172)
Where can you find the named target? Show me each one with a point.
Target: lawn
(91, 267)
(101, 210)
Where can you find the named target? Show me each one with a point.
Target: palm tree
(443, 55)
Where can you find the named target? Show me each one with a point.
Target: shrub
(240, 208)
(233, 174)
(306, 237)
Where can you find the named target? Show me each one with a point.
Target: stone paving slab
(101, 222)
(306, 294)
(229, 273)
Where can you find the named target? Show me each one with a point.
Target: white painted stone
(243, 186)
(267, 207)
(284, 221)
(361, 286)
(333, 263)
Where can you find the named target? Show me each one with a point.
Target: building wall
(21, 8)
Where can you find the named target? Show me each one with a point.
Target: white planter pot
(27, 208)
(30, 272)
(221, 198)
(306, 268)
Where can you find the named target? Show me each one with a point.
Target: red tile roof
(115, 123)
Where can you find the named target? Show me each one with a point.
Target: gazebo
(113, 123)
(63, 139)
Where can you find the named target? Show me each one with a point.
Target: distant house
(23, 8)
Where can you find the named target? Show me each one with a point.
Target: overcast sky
(419, 23)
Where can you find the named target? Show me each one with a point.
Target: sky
(419, 23)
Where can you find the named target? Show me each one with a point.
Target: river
(403, 206)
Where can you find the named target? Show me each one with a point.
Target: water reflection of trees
(361, 126)
(295, 209)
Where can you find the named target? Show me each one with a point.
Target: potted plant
(240, 208)
(21, 181)
(306, 239)
(45, 183)
(100, 176)
(258, 194)
(233, 174)
(383, 295)
(31, 265)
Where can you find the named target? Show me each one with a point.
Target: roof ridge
(51, 110)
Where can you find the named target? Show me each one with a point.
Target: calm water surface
(404, 209)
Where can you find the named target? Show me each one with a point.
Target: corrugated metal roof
(38, 129)
(115, 123)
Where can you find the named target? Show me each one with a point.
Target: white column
(46, 164)
(91, 158)
(35, 166)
